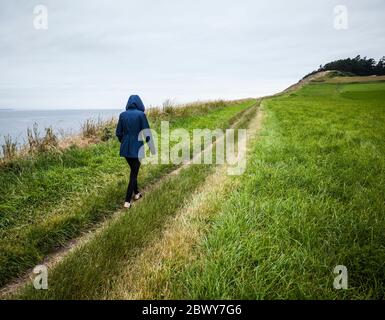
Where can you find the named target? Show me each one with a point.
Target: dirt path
(146, 276)
(54, 258)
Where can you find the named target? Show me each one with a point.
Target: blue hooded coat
(131, 123)
(136, 101)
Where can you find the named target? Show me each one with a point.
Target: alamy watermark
(40, 17)
(40, 282)
(340, 17)
(179, 146)
(341, 280)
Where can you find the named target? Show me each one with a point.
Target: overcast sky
(94, 54)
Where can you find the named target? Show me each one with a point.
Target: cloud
(96, 53)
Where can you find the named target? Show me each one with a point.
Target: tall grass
(9, 148)
(47, 201)
(98, 128)
(89, 128)
(95, 130)
(37, 144)
(95, 265)
(312, 198)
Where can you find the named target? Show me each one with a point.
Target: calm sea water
(16, 122)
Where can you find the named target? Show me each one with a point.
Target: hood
(135, 102)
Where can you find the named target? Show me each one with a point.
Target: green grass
(89, 272)
(46, 201)
(312, 198)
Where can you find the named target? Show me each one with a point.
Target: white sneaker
(137, 196)
(127, 205)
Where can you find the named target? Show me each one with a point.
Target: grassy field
(312, 198)
(94, 266)
(46, 201)
(355, 79)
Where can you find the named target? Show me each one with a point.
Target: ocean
(15, 122)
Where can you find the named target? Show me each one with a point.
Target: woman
(132, 124)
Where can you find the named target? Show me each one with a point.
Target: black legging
(134, 164)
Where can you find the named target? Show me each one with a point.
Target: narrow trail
(145, 277)
(51, 260)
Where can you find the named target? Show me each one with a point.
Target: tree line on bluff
(357, 66)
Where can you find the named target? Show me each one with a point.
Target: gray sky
(96, 53)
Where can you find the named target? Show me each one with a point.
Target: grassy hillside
(312, 198)
(95, 265)
(48, 200)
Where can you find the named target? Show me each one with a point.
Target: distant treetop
(356, 66)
